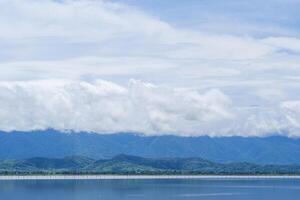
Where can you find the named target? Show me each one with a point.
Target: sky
(154, 67)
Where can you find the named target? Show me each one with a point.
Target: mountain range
(126, 164)
(55, 144)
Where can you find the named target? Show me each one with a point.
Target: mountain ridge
(128, 164)
(55, 144)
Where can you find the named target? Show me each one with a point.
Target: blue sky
(227, 16)
(189, 67)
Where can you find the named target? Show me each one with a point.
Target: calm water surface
(150, 189)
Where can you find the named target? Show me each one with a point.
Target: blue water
(150, 189)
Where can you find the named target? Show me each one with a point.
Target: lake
(235, 189)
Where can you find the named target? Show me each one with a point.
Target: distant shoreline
(142, 177)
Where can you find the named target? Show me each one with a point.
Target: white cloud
(291, 110)
(43, 42)
(104, 28)
(106, 107)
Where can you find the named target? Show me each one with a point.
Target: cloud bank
(105, 107)
(55, 56)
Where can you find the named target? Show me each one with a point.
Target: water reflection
(150, 189)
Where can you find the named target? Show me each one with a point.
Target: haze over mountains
(54, 144)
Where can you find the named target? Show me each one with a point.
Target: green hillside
(126, 164)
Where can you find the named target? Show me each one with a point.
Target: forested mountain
(126, 164)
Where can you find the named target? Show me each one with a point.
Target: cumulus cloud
(104, 107)
(292, 115)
